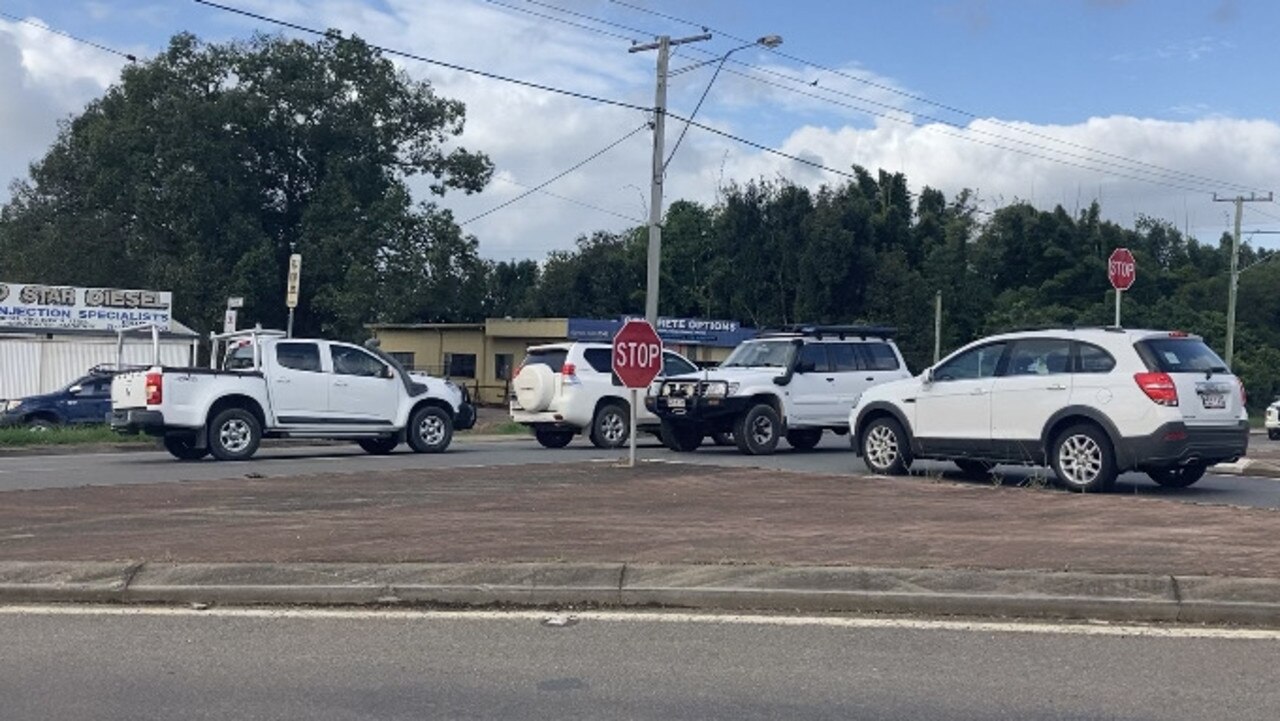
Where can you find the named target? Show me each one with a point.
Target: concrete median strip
(1022, 594)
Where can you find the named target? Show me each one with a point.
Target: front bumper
(8, 420)
(1177, 444)
(137, 420)
(465, 418)
(711, 414)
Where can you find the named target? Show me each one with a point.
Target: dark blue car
(84, 400)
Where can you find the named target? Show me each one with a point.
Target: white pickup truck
(270, 386)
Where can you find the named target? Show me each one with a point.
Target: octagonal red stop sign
(637, 354)
(1121, 269)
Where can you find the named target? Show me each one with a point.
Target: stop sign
(637, 354)
(1121, 269)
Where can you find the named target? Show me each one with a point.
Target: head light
(718, 389)
(12, 405)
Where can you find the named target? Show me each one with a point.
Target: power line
(560, 20)
(127, 56)
(567, 199)
(943, 106)
(557, 176)
(1263, 213)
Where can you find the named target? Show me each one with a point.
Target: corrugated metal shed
(33, 363)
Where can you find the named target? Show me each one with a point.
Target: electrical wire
(960, 111)
(694, 114)
(127, 56)
(1263, 213)
(575, 201)
(560, 20)
(557, 176)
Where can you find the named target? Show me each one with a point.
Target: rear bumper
(1177, 444)
(137, 420)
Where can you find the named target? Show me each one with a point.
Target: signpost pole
(631, 461)
(1118, 294)
(291, 289)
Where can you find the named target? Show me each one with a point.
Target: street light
(663, 46)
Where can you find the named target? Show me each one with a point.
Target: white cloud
(43, 78)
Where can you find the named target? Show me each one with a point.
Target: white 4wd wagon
(563, 389)
(1090, 403)
(791, 384)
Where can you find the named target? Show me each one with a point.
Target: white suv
(562, 389)
(1090, 403)
(791, 384)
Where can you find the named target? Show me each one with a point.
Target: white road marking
(873, 623)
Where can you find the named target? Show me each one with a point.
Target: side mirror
(75, 390)
(387, 372)
(928, 376)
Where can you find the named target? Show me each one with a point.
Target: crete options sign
(64, 307)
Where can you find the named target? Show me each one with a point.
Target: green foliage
(204, 168)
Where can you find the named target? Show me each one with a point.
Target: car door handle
(1056, 387)
(870, 378)
(831, 380)
(340, 384)
(978, 392)
(282, 380)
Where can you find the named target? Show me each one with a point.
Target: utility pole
(663, 46)
(937, 327)
(1234, 280)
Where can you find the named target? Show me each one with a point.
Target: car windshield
(1181, 355)
(757, 354)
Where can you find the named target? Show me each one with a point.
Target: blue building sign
(684, 331)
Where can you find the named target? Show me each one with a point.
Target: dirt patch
(654, 513)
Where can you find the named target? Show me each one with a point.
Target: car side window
(1092, 359)
(600, 359)
(298, 356)
(813, 359)
(1039, 357)
(674, 365)
(879, 357)
(97, 388)
(844, 357)
(348, 361)
(980, 362)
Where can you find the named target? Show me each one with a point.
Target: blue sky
(1052, 102)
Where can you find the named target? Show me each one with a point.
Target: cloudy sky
(1150, 106)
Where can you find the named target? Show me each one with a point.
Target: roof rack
(839, 331)
(1061, 326)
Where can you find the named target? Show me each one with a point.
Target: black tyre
(804, 439)
(183, 447)
(378, 446)
(430, 430)
(234, 435)
(974, 469)
(611, 426)
(1273, 435)
(1178, 476)
(722, 438)
(680, 437)
(42, 425)
(885, 447)
(758, 430)
(553, 437)
(1083, 459)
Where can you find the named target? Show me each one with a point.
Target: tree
(206, 167)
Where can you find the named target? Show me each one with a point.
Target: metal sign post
(1122, 270)
(291, 289)
(637, 361)
(631, 458)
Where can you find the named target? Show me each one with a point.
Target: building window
(404, 359)
(460, 365)
(502, 366)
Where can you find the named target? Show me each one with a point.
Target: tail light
(1244, 395)
(155, 389)
(1159, 387)
(569, 369)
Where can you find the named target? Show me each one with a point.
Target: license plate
(1214, 400)
(675, 403)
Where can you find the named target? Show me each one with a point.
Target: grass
(508, 428)
(77, 435)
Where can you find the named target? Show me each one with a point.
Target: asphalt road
(832, 456)
(112, 663)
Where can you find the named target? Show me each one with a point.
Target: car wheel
(379, 446)
(758, 430)
(804, 439)
(234, 435)
(611, 426)
(183, 447)
(885, 447)
(430, 430)
(1083, 460)
(41, 425)
(1178, 476)
(970, 468)
(681, 438)
(722, 439)
(553, 437)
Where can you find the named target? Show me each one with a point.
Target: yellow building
(484, 356)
